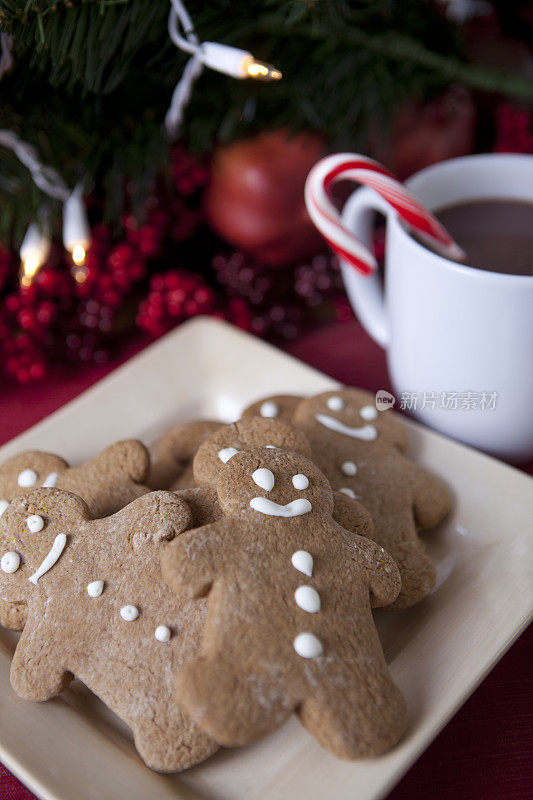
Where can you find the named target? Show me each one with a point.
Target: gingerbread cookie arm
(128, 459)
(352, 516)
(203, 504)
(383, 575)
(153, 518)
(190, 564)
(431, 497)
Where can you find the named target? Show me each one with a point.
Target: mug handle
(365, 291)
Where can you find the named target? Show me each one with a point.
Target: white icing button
(308, 646)
(349, 492)
(269, 409)
(10, 562)
(162, 633)
(129, 613)
(95, 588)
(27, 478)
(226, 454)
(300, 481)
(349, 468)
(308, 599)
(264, 478)
(303, 562)
(35, 523)
(3, 505)
(368, 413)
(335, 403)
(51, 480)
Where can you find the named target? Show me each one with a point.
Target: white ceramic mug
(454, 335)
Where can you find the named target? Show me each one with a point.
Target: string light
(76, 232)
(34, 251)
(222, 58)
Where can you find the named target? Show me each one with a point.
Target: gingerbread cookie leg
(37, 671)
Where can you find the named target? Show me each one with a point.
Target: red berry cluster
(172, 298)
(514, 130)
(189, 174)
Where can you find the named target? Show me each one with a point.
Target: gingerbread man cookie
(99, 610)
(107, 482)
(289, 626)
(361, 451)
(171, 455)
(228, 440)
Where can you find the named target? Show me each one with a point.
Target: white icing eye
(269, 409)
(307, 599)
(335, 403)
(226, 454)
(349, 492)
(35, 523)
(368, 413)
(162, 633)
(27, 478)
(303, 562)
(300, 481)
(10, 562)
(308, 646)
(349, 468)
(263, 478)
(95, 588)
(3, 505)
(129, 613)
(51, 480)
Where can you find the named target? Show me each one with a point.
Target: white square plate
(72, 748)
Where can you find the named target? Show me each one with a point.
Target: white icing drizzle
(271, 446)
(26, 478)
(269, 409)
(349, 468)
(307, 599)
(129, 613)
(368, 432)
(349, 492)
(55, 551)
(226, 454)
(263, 478)
(308, 646)
(51, 480)
(35, 523)
(368, 413)
(294, 509)
(335, 403)
(303, 562)
(95, 588)
(162, 633)
(10, 562)
(300, 481)
(3, 505)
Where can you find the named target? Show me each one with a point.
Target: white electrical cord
(46, 178)
(220, 57)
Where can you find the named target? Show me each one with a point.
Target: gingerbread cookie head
(245, 434)
(32, 539)
(349, 419)
(273, 483)
(279, 406)
(27, 471)
(172, 454)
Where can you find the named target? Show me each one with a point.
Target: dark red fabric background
(486, 751)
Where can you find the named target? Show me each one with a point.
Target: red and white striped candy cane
(365, 171)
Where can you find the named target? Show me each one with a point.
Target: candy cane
(368, 172)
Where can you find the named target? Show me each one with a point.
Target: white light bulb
(235, 62)
(33, 252)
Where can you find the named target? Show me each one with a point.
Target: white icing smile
(294, 509)
(367, 432)
(55, 551)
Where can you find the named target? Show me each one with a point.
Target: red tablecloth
(486, 751)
